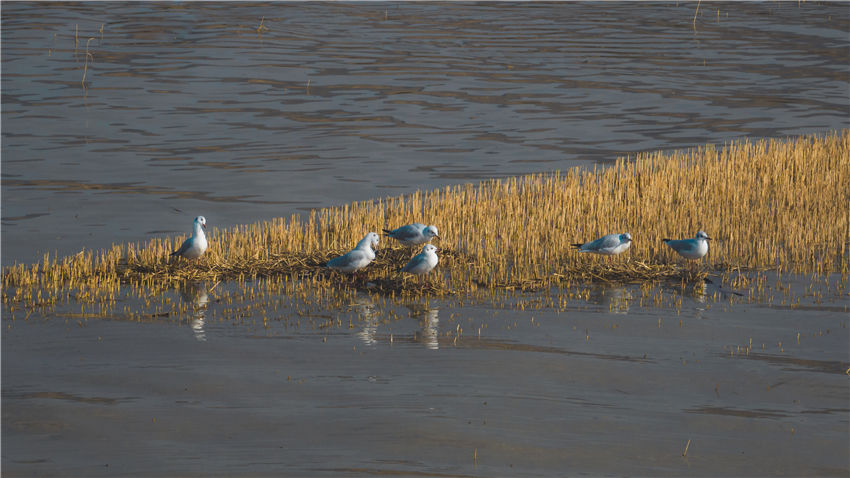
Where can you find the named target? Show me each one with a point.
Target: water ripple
(183, 98)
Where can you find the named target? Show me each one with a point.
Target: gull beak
(204, 224)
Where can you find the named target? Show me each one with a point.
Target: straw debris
(774, 204)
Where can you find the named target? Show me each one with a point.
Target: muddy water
(187, 109)
(599, 386)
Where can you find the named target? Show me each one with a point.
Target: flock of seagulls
(613, 244)
(409, 235)
(423, 263)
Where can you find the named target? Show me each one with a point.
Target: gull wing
(183, 248)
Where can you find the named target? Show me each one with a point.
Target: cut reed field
(781, 204)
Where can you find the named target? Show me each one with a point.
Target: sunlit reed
(774, 204)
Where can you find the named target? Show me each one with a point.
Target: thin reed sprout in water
(771, 204)
(86, 65)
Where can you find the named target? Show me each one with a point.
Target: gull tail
(666, 240)
(577, 246)
(174, 256)
(387, 232)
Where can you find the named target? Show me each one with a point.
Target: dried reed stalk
(777, 204)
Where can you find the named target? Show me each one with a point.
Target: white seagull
(357, 258)
(695, 248)
(413, 234)
(195, 246)
(610, 245)
(424, 262)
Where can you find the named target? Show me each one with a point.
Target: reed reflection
(616, 298)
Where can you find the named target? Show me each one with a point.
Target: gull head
(202, 221)
(430, 231)
(703, 235)
(625, 237)
(373, 239)
(429, 249)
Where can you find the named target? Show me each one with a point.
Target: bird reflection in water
(195, 294)
(714, 289)
(617, 299)
(430, 324)
(368, 316)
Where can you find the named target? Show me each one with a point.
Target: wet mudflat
(599, 385)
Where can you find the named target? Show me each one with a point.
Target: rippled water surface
(187, 109)
(244, 112)
(606, 385)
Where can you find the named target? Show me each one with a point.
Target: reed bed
(773, 204)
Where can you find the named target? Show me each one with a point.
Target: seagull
(413, 234)
(357, 258)
(195, 246)
(610, 245)
(424, 262)
(694, 248)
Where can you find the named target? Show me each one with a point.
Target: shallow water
(428, 387)
(188, 110)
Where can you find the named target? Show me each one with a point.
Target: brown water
(187, 110)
